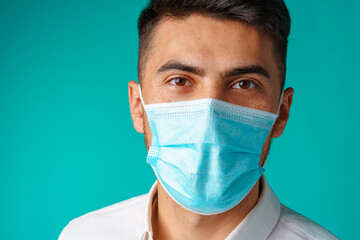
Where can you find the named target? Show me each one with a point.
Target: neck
(171, 221)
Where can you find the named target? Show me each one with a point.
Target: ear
(284, 112)
(136, 108)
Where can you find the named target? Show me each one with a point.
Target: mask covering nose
(206, 152)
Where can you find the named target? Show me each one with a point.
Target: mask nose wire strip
(141, 98)
(281, 97)
(277, 112)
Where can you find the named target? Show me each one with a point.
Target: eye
(179, 82)
(244, 84)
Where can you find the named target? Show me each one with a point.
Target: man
(209, 102)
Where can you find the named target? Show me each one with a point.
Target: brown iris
(245, 84)
(180, 81)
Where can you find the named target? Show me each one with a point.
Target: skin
(214, 47)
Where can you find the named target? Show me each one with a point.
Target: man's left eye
(244, 84)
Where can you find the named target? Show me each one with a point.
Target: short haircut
(269, 16)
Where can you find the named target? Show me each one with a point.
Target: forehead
(210, 43)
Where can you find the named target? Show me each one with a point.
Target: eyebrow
(176, 65)
(255, 69)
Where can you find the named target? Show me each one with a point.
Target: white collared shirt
(131, 219)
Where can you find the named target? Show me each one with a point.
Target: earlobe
(284, 113)
(136, 109)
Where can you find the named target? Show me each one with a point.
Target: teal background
(67, 144)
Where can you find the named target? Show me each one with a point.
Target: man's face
(201, 57)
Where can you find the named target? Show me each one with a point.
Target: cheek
(264, 99)
(264, 103)
(264, 106)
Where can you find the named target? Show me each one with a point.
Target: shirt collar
(261, 220)
(148, 234)
(265, 213)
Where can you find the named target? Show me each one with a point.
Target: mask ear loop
(277, 113)
(281, 97)
(141, 99)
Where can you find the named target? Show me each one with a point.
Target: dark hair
(269, 16)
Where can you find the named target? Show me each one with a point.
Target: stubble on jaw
(147, 133)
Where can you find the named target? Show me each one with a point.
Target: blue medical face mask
(205, 153)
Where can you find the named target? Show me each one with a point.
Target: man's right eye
(180, 82)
